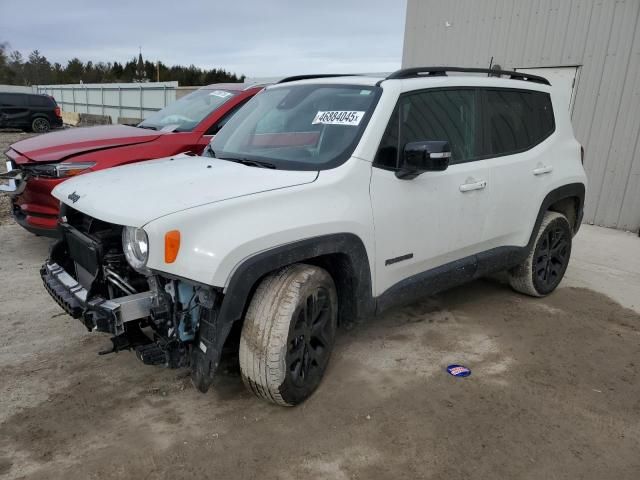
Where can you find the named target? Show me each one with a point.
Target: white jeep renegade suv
(324, 199)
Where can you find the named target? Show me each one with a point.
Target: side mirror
(420, 157)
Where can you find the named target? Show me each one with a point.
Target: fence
(16, 89)
(131, 100)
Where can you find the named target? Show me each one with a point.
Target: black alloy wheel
(288, 333)
(552, 258)
(551, 254)
(310, 339)
(40, 125)
(547, 260)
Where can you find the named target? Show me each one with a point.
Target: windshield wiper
(148, 127)
(249, 163)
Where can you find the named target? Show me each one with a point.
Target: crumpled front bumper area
(166, 321)
(98, 314)
(68, 293)
(15, 183)
(33, 207)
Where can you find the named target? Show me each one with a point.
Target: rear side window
(41, 101)
(12, 100)
(516, 120)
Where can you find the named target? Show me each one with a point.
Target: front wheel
(288, 334)
(544, 267)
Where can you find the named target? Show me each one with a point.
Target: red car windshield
(189, 111)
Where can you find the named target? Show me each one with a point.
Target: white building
(590, 49)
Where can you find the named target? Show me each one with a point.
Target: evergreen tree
(16, 68)
(4, 63)
(58, 74)
(117, 71)
(37, 70)
(74, 70)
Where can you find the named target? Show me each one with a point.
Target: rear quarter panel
(517, 198)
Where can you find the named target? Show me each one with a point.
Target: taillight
(582, 154)
(57, 112)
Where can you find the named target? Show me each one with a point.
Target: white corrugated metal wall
(601, 36)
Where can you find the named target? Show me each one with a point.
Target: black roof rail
(319, 75)
(442, 72)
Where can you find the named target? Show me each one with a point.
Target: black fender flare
(353, 262)
(247, 274)
(570, 190)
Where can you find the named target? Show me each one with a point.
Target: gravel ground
(554, 393)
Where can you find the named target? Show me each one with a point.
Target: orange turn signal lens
(171, 246)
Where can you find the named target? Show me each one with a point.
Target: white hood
(136, 194)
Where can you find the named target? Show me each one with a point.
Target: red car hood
(57, 146)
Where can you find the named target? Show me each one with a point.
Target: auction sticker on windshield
(338, 117)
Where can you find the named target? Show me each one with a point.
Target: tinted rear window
(41, 101)
(517, 120)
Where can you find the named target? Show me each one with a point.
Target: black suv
(29, 111)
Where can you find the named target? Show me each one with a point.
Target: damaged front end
(166, 321)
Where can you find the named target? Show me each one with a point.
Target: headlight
(135, 244)
(59, 170)
(69, 169)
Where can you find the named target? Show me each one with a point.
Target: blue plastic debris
(458, 371)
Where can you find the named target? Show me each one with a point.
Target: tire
(40, 125)
(547, 262)
(288, 334)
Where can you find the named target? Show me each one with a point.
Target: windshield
(298, 127)
(189, 111)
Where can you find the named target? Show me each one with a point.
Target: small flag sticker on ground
(458, 371)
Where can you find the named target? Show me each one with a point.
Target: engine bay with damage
(93, 275)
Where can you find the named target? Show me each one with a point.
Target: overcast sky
(258, 38)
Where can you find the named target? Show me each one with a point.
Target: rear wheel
(548, 259)
(288, 334)
(40, 125)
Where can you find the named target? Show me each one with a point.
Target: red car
(44, 161)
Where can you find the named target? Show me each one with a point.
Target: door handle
(467, 187)
(542, 170)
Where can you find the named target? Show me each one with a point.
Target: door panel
(429, 217)
(515, 198)
(15, 110)
(436, 217)
(518, 126)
